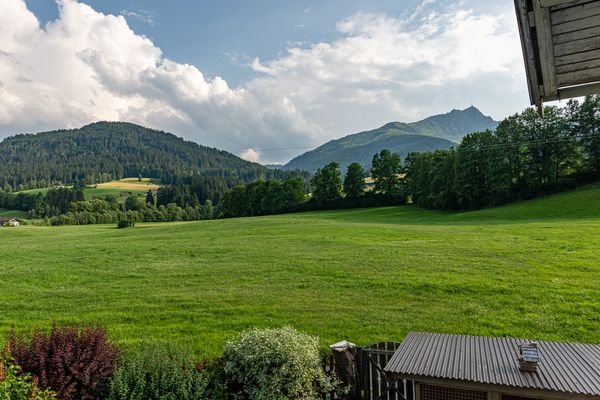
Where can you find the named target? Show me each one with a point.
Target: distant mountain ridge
(433, 133)
(113, 150)
(456, 124)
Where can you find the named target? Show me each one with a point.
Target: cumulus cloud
(87, 66)
(250, 155)
(388, 68)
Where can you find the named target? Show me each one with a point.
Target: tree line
(67, 206)
(527, 156)
(326, 190)
(52, 203)
(135, 209)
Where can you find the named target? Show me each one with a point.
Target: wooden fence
(370, 382)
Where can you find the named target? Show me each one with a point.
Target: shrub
(272, 364)
(157, 373)
(15, 385)
(216, 382)
(123, 223)
(76, 363)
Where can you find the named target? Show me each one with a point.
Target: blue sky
(221, 37)
(253, 76)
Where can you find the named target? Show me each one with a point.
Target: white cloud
(402, 69)
(145, 16)
(250, 155)
(87, 66)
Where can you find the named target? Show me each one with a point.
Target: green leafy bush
(157, 373)
(275, 364)
(15, 385)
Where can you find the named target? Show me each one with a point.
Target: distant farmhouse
(460, 367)
(9, 222)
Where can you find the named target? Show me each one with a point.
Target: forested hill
(433, 133)
(105, 151)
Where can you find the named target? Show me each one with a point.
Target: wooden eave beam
(528, 51)
(543, 27)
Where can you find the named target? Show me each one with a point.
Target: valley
(529, 269)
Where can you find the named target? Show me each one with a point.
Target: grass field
(12, 213)
(526, 270)
(114, 188)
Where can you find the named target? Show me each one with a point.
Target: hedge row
(82, 363)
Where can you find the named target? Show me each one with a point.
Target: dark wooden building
(458, 367)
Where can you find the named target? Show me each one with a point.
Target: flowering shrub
(157, 373)
(275, 364)
(76, 363)
(15, 385)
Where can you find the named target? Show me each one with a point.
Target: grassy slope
(117, 188)
(12, 213)
(525, 270)
(114, 188)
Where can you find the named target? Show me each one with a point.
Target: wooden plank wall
(576, 40)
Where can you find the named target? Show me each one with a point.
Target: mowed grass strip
(120, 188)
(526, 270)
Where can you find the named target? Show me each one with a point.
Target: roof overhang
(561, 47)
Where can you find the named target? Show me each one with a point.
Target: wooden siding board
(574, 26)
(577, 46)
(580, 66)
(575, 13)
(577, 35)
(579, 77)
(560, 4)
(578, 58)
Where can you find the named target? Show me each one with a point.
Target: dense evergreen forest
(107, 151)
(527, 156)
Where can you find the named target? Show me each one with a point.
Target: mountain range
(105, 151)
(433, 133)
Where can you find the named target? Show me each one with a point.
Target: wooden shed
(459, 367)
(561, 47)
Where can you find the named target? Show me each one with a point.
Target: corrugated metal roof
(563, 367)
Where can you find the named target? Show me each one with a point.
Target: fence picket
(371, 381)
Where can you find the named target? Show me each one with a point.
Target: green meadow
(12, 213)
(119, 188)
(529, 270)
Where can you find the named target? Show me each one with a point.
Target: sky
(264, 79)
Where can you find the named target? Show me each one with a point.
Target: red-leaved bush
(75, 363)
